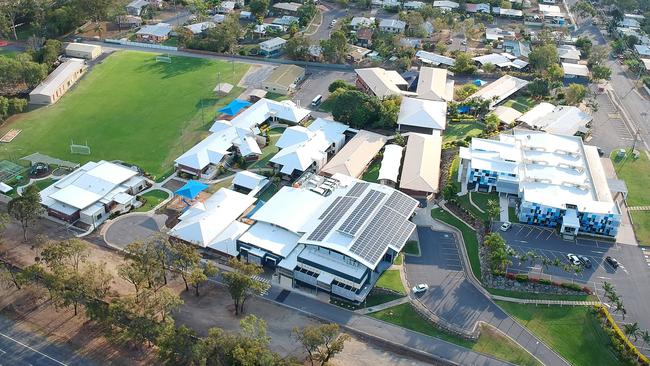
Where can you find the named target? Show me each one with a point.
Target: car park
(585, 261)
(612, 261)
(505, 226)
(573, 259)
(420, 288)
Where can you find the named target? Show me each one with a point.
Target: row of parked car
(581, 260)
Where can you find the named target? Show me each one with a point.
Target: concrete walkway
(503, 205)
(639, 208)
(386, 305)
(545, 302)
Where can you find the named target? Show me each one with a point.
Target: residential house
(390, 165)
(421, 169)
(361, 22)
(286, 8)
(422, 116)
(500, 90)
(569, 53)
(364, 37)
(434, 59)
(353, 159)
(381, 83)
(392, 26)
(433, 85)
(198, 28)
(478, 8)
(272, 47)
(446, 5)
(560, 120)
(156, 33)
(575, 73)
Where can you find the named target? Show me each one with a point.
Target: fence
(140, 44)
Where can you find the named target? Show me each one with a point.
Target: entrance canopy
(191, 189)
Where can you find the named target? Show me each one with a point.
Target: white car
(505, 226)
(573, 259)
(417, 289)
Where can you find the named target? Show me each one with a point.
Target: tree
(9, 277)
(259, 8)
(131, 273)
(498, 256)
(489, 67)
(575, 94)
(65, 254)
(465, 91)
(619, 308)
(491, 125)
(178, 346)
(493, 209)
(26, 208)
(631, 330)
(554, 74)
(543, 56)
(307, 12)
(583, 9)
(322, 342)
(144, 257)
(645, 336)
(51, 51)
(538, 88)
(340, 84)
(200, 274)
(297, 47)
(335, 48)
(241, 284)
(186, 258)
(11, 10)
(599, 72)
(464, 64)
(355, 108)
(597, 55)
(399, 139)
(584, 44)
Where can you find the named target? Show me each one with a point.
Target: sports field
(129, 108)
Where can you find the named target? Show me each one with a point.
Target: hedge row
(523, 278)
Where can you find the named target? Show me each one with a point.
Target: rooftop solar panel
(357, 189)
(329, 208)
(335, 213)
(361, 213)
(401, 203)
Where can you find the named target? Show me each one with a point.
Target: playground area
(129, 107)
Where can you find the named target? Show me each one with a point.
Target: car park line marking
(3, 351)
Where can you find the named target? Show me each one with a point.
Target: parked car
(585, 261)
(505, 226)
(612, 261)
(601, 152)
(420, 288)
(573, 259)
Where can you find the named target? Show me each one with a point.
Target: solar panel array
(329, 208)
(360, 214)
(387, 228)
(401, 203)
(357, 189)
(334, 214)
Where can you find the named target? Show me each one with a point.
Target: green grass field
(534, 296)
(636, 174)
(573, 332)
(642, 226)
(512, 215)
(459, 130)
(490, 342)
(522, 104)
(469, 237)
(391, 280)
(411, 247)
(129, 108)
(152, 199)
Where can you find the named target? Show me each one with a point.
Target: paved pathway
(386, 305)
(503, 205)
(639, 208)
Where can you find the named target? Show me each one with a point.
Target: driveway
(316, 83)
(133, 227)
(630, 280)
(453, 298)
(323, 31)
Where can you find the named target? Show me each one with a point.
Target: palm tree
(546, 262)
(493, 210)
(607, 287)
(645, 336)
(613, 297)
(631, 330)
(619, 308)
(557, 262)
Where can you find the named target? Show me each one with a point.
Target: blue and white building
(559, 181)
(333, 235)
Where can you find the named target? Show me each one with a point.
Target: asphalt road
(453, 298)
(630, 280)
(18, 347)
(316, 83)
(324, 30)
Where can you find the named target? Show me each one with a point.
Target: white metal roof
(204, 222)
(562, 120)
(391, 163)
(158, 30)
(58, 77)
(421, 170)
(500, 89)
(536, 113)
(273, 42)
(507, 115)
(445, 4)
(271, 238)
(575, 69)
(392, 23)
(239, 131)
(82, 47)
(433, 84)
(90, 183)
(281, 210)
(249, 180)
(382, 82)
(434, 58)
(423, 113)
(642, 49)
(569, 52)
(197, 28)
(492, 58)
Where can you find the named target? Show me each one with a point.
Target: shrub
(572, 286)
(544, 281)
(533, 279)
(521, 278)
(510, 276)
(586, 290)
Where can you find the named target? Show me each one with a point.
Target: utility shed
(283, 79)
(58, 82)
(83, 50)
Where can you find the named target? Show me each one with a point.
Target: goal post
(166, 59)
(77, 149)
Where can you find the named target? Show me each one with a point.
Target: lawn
(269, 150)
(459, 130)
(636, 174)
(377, 298)
(128, 108)
(490, 342)
(469, 237)
(223, 184)
(642, 226)
(372, 173)
(152, 199)
(512, 215)
(411, 247)
(268, 192)
(277, 97)
(7, 53)
(480, 199)
(42, 184)
(391, 280)
(534, 296)
(522, 104)
(573, 332)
